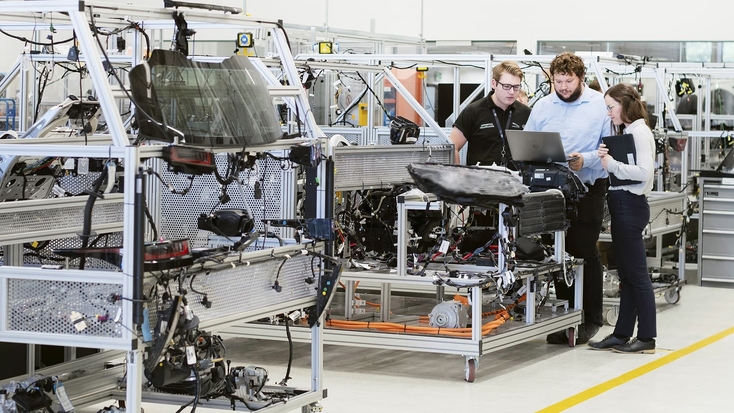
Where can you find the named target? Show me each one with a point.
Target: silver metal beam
(55, 339)
(344, 67)
(99, 79)
(45, 57)
(82, 276)
(457, 95)
(42, 6)
(671, 109)
(289, 67)
(40, 149)
(599, 76)
(11, 75)
(331, 32)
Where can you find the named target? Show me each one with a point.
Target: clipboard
(622, 149)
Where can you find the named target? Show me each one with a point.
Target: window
(697, 52)
(727, 53)
(708, 52)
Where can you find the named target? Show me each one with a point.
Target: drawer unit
(717, 243)
(718, 220)
(716, 232)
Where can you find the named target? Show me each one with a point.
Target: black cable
(191, 284)
(276, 285)
(164, 128)
(394, 66)
(87, 226)
(379, 102)
(131, 25)
(82, 115)
(298, 122)
(170, 187)
(621, 74)
(26, 40)
(233, 170)
(132, 300)
(195, 400)
(151, 222)
(41, 88)
(459, 64)
(290, 353)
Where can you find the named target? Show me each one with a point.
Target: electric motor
(448, 314)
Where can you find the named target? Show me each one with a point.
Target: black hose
(87, 227)
(290, 353)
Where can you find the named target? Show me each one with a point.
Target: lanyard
(501, 130)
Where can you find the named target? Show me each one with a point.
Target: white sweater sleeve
(644, 169)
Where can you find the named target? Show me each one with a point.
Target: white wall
(526, 22)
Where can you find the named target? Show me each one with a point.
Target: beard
(575, 95)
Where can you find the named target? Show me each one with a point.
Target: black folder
(621, 148)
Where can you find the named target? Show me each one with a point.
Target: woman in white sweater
(631, 178)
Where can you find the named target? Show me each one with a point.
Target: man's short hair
(507, 66)
(568, 63)
(594, 84)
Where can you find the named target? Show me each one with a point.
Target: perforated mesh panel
(245, 288)
(58, 218)
(381, 166)
(353, 135)
(426, 136)
(46, 257)
(179, 214)
(77, 184)
(47, 306)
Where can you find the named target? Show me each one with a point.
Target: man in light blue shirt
(579, 114)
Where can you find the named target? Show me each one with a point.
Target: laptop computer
(726, 167)
(535, 146)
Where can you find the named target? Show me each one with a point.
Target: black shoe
(636, 346)
(559, 337)
(586, 332)
(608, 342)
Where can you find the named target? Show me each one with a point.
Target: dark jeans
(581, 239)
(630, 214)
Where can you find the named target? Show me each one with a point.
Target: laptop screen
(535, 146)
(727, 165)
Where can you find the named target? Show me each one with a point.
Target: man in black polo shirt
(483, 123)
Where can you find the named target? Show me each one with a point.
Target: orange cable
(500, 318)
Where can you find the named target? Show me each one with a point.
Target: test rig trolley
(551, 316)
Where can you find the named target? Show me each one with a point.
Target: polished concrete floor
(692, 371)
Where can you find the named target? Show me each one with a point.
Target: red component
(166, 250)
(189, 160)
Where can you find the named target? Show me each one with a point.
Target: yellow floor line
(633, 374)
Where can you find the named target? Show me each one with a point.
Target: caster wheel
(672, 296)
(611, 316)
(470, 370)
(571, 333)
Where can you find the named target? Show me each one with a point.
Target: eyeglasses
(609, 108)
(508, 87)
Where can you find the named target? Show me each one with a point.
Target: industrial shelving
(27, 317)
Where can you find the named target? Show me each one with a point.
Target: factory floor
(691, 371)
